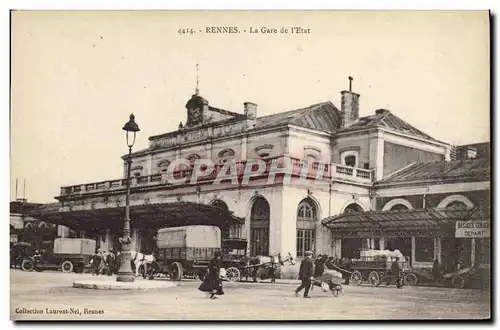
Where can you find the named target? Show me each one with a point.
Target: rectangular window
(424, 249)
(305, 241)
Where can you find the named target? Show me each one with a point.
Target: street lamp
(125, 273)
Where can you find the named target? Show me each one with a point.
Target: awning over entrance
(148, 216)
(397, 220)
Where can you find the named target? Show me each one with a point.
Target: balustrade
(329, 171)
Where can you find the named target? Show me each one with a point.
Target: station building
(340, 183)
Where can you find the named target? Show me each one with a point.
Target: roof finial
(350, 83)
(197, 91)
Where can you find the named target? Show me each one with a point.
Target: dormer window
(350, 158)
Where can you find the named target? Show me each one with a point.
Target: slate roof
(385, 119)
(323, 117)
(327, 118)
(465, 170)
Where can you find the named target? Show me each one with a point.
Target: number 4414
(186, 31)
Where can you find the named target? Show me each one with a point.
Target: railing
(298, 168)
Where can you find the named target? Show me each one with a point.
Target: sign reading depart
(472, 229)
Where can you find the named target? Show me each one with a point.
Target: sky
(76, 77)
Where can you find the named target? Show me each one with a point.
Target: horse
(139, 260)
(266, 266)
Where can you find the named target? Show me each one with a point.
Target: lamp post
(125, 273)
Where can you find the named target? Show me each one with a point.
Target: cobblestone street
(53, 291)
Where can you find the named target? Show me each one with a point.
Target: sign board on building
(401, 233)
(472, 229)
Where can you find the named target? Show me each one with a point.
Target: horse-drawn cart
(375, 267)
(184, 251)
(259, 267)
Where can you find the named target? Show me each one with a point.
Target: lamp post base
(125, 273)
(125, 278)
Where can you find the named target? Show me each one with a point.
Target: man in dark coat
(306, 273)
(396, 271)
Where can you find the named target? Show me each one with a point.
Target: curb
(103, 285)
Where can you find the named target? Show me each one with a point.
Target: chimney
(250, 113)
(250, 110)
(349, 106)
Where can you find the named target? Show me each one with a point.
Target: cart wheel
(356, 278)
(374, 278)
(27, 265)
(337, 291)
(233, 274)
(458, 282)
(325, 286)
(176, 271)
(67, 266)
(411, 279)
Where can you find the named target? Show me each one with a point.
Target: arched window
(192, 159)
(226, 155)
(306, 211)
(307, 216)
(399, 207)
(264, 151)
(137, 170)
(353, 208)
(351, 247)
(163, 166)
(349, 158)
(457, 205)
(259, 227)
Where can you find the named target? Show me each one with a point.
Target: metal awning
(397, 220)
(147, 216)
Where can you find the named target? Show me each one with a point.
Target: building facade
(315, 163)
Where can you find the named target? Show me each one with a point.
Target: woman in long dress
(212, 283)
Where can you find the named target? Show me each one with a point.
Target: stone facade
(353, 156)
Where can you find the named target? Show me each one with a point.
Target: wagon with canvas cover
(185, 251)
(69, 254)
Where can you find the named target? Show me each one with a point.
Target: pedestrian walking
(306, 273)
(97, 263)
(396, 271)
(212, 283)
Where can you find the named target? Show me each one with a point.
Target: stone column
(377, 154)
(382, 243)
(413, 251)
(284, 228)
(473, 251)
(134, 237)
(337, 247)
(243, 148)
(109, 239)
